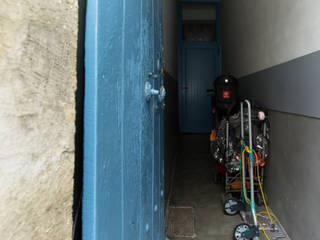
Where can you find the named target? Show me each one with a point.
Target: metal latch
(149, 92)
(152, 75)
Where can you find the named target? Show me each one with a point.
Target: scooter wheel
(239, 230)
(228, 204)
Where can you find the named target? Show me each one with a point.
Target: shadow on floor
(193, 187)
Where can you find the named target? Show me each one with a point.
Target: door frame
(217, 43)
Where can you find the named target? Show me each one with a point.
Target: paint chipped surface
(38, 41)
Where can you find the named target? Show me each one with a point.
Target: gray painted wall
(293, 174)
(288, 87)
(259, 34)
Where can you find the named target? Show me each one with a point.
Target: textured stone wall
(38, 41)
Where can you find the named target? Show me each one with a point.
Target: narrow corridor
(193, 189)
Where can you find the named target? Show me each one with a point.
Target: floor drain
(180, 222)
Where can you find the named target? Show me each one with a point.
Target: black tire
(239, 229)
(227, 206)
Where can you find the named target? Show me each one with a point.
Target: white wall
(258, 34)
(38, 41)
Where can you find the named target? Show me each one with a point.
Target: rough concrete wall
(258, 34)
(38, 41)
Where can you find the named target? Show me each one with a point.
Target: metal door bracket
(149, 92)
(152, 75)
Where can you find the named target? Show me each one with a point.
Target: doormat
(180, 222)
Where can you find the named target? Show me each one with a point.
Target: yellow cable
(244, 182)
(247, 149)
(264, 231)
(262, 193)
(275, 219)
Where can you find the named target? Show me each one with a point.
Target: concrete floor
(193, 187)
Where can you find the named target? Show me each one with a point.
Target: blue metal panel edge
(90, 123)
(113, 188)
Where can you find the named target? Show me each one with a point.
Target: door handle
(149, 92)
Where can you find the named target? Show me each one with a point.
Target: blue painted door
(200, 68)
(123, 145)
(199, 62)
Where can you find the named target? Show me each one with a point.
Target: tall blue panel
(200, 68)
(123, 158)
(157, 83)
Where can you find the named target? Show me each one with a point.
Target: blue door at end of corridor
(199, 62)
(123, 145)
